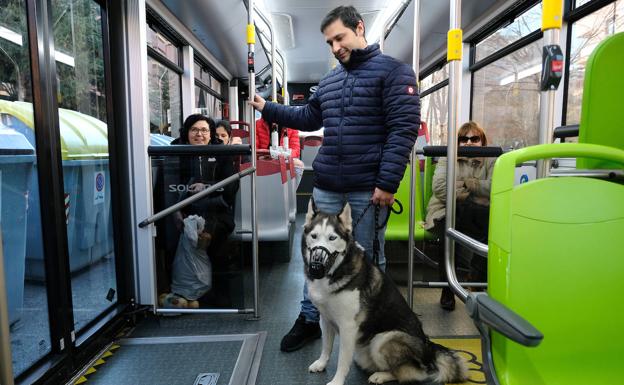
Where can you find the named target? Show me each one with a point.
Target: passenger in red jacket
(263, 140)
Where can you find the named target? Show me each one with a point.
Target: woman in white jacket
(474, 177)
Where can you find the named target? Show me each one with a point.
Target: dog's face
(325, 240)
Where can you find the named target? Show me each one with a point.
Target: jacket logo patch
(410, 90)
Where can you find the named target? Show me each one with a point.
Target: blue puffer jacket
(371, 113)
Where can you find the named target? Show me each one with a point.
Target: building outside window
(505, 81)
(434, 104)
(586, 33)
(210, 97)
(164, 82)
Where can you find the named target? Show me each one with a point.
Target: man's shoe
(447, 299)
(300, 334)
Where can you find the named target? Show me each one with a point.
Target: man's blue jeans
(364, 233)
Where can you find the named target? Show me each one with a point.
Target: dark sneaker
(447, 299)
(300, 334)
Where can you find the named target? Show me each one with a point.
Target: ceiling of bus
(220, 25)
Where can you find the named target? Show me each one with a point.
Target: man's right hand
(258, 102)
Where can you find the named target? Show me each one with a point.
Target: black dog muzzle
(319, 256)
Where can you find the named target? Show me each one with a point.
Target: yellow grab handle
(454, 45)
(251, 34)
(552, 11)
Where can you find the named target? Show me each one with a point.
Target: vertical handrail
(251, 41)
(413, 161)
(551, 26)
(6, 359)
(454, 57)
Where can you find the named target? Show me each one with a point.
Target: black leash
(376, 245)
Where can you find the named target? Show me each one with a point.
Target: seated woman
(263, 139)
(224, 132)
(217, 209)
(472, 205)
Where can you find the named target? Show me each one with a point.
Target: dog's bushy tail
(451, 366)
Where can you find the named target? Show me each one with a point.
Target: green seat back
(602, 112)
(557, 259)
(398, 224)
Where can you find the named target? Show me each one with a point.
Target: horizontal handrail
(171, 209)
(199, 150)
(466, 151)
(605, 174)
(570, 131)
(467, 241)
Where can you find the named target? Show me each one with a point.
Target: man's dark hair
(349, 16)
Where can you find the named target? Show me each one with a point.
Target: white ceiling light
(284, 30)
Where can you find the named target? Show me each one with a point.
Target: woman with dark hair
(202, 171)
(217, 209)
(224, 132)
(474, 178)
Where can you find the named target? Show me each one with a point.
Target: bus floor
(281, 286)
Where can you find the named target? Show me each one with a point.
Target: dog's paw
(317, 366)
(381, 377)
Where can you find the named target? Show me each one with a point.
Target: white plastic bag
(192, 272)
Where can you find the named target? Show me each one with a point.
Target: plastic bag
(192, 271)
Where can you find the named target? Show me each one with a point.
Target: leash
(376, 245)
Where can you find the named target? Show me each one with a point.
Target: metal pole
(551, 26)
(273, 67)
(251, 41)
(382, 38)
(285, 84)
(413, 161)
(284, 95)
(6, 360)
(454, 57)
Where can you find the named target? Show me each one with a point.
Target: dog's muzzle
(319, 255)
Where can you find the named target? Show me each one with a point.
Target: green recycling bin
(86, 181)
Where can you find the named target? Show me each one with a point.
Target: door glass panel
(20, 218)
(85, 149)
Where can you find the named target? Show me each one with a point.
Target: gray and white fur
(356, 300)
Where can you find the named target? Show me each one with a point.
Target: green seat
(602, 115)
(398, 224)
(555, 260)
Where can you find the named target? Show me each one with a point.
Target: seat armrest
(485, 309)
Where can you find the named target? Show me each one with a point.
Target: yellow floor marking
(81, 380)
(99, 362)
(470, 348)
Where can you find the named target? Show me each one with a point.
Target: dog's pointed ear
(345, 217)
(312, 211)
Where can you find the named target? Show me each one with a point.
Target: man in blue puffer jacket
(370, 109)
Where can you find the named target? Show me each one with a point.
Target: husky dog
(356, 300)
